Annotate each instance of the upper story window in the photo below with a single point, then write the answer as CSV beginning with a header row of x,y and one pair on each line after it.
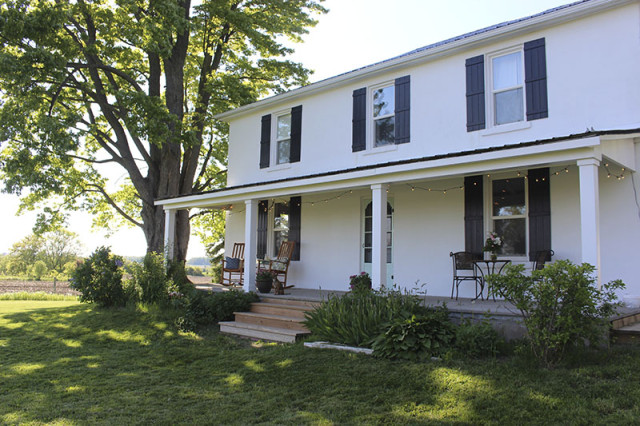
x,y
387,115
517,86
285,129
283,138
383,109
508,88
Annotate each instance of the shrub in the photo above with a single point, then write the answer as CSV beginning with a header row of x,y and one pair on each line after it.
x,y
357,318
360,282
208,308
477,339
560,304
150,279
416,338
99,279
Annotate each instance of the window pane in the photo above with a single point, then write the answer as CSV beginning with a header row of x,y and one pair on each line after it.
x,y
513,233
509,106
284,149
507,71
388,255
384,131
367,255
384,101
389,239
367,224
368,239
508,197
278,238
284,127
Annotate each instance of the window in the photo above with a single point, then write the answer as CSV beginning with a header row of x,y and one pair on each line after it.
x,y
515,79
283,138
368,233
285,130
507,88
509,214
383,109
280,226
382,115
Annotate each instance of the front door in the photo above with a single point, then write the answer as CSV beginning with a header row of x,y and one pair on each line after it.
x,y
367,239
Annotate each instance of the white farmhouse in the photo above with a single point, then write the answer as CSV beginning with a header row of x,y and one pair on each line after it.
x,y
529,128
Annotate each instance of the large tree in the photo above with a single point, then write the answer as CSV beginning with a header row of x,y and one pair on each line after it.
x,y
86,85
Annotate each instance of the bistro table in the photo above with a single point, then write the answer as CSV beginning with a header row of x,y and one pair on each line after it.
x,y
490,266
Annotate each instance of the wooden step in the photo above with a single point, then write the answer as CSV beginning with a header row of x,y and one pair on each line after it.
x,y
279,321
279,309
625,320
626,334
293,302
261,332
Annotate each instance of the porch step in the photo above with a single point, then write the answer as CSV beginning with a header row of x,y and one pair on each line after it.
x,y
626,328
277,319
279,300
295,311
256,331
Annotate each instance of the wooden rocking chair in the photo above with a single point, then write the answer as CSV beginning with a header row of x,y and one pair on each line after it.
x,y
280,265
233,266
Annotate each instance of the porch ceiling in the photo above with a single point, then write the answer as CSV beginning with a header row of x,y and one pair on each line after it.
x,y
524,155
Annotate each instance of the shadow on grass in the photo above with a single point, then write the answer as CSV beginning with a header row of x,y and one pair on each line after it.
x,y
83,364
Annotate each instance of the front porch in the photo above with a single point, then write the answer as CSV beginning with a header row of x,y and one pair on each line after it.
x,y
399,221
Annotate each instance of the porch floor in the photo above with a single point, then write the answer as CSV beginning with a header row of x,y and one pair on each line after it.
x,y
463,305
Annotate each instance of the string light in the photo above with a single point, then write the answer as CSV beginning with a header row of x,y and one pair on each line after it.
x,y
274,201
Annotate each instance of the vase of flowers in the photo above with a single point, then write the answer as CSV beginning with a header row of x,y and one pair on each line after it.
x,y
493,244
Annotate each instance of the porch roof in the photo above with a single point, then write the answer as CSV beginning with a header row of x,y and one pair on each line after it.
x,y
555,150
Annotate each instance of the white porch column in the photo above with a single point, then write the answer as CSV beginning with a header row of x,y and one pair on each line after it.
x,y
169,233
379,235
250,244
590,212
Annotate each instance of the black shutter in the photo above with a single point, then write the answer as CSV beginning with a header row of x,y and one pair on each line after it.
x,y
539,211
263,224
475,93
403,101
265,141
535,78
359,137
295,210
296,133
473,215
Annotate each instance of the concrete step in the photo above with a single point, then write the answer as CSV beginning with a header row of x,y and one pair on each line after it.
x,y
279,321
261,332
279,309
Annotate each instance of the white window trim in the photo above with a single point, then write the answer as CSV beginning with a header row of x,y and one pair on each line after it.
x,y
489,100
371,121
273,154
488,210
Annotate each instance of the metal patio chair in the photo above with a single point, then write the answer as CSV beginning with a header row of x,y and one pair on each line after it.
x,y
465,270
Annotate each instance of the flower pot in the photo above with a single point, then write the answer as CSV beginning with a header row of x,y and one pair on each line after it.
x,y
264,286
494,256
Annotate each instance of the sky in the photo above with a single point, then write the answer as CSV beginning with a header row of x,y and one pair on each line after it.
x,y
353,34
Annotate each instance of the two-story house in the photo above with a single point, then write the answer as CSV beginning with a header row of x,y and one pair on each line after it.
x,y
529,128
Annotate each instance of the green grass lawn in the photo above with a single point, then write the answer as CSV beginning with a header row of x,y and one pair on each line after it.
x,y
63,362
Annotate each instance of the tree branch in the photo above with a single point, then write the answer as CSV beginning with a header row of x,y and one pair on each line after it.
x,y
98,189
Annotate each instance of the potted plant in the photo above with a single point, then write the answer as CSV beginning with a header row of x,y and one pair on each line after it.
x,y
264,280
493,244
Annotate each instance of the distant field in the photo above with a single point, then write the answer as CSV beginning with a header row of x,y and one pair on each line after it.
x,y
17,286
